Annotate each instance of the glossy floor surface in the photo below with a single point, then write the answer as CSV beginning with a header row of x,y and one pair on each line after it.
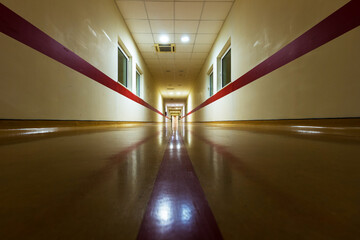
x,y
248,182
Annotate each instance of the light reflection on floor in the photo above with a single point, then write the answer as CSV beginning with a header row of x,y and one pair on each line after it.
x,y
98,184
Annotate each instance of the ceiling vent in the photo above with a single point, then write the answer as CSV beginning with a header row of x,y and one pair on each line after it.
x,y
165,48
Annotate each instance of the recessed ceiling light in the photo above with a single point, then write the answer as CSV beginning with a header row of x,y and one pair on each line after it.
x,y
164,39
171,93
178,93
185,39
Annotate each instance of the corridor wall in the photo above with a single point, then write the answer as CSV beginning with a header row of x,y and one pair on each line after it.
x,y
324,83
35,86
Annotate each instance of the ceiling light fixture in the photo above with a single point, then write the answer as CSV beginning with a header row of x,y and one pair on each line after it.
x,y
185,39
164,39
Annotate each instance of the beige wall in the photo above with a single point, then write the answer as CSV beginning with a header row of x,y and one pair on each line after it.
x,y
33,86
324,83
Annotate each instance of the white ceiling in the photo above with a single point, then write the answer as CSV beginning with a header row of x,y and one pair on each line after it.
x,y
200,20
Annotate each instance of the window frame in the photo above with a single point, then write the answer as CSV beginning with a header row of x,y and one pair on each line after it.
x,y
211,83
126,68
138,87
221,68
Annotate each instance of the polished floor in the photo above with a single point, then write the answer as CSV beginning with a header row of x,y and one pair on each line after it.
x,y
196,181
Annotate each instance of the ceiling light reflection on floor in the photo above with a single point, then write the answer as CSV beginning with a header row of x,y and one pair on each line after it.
x,y
186,213
163,211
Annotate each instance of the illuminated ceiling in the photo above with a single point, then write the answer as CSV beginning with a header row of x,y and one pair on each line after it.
x,y
153,22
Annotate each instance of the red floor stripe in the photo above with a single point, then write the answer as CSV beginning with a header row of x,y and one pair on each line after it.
x,y
343,20
178,208
18,28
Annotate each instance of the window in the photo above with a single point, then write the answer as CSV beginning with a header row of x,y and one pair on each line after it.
x,y
123,60
223,66
211,82
138,83
226,68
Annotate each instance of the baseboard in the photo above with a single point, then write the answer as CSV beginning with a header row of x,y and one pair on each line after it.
x,y
351,121
34,123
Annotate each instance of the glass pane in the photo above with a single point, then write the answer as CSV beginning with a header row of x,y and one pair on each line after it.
x,y
226,69
122,68
137,84
211,84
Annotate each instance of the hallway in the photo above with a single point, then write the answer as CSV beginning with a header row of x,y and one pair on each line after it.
x,y
293,182
179,119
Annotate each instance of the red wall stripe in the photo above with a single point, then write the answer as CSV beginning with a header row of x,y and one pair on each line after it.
x,y
18,28
343,20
